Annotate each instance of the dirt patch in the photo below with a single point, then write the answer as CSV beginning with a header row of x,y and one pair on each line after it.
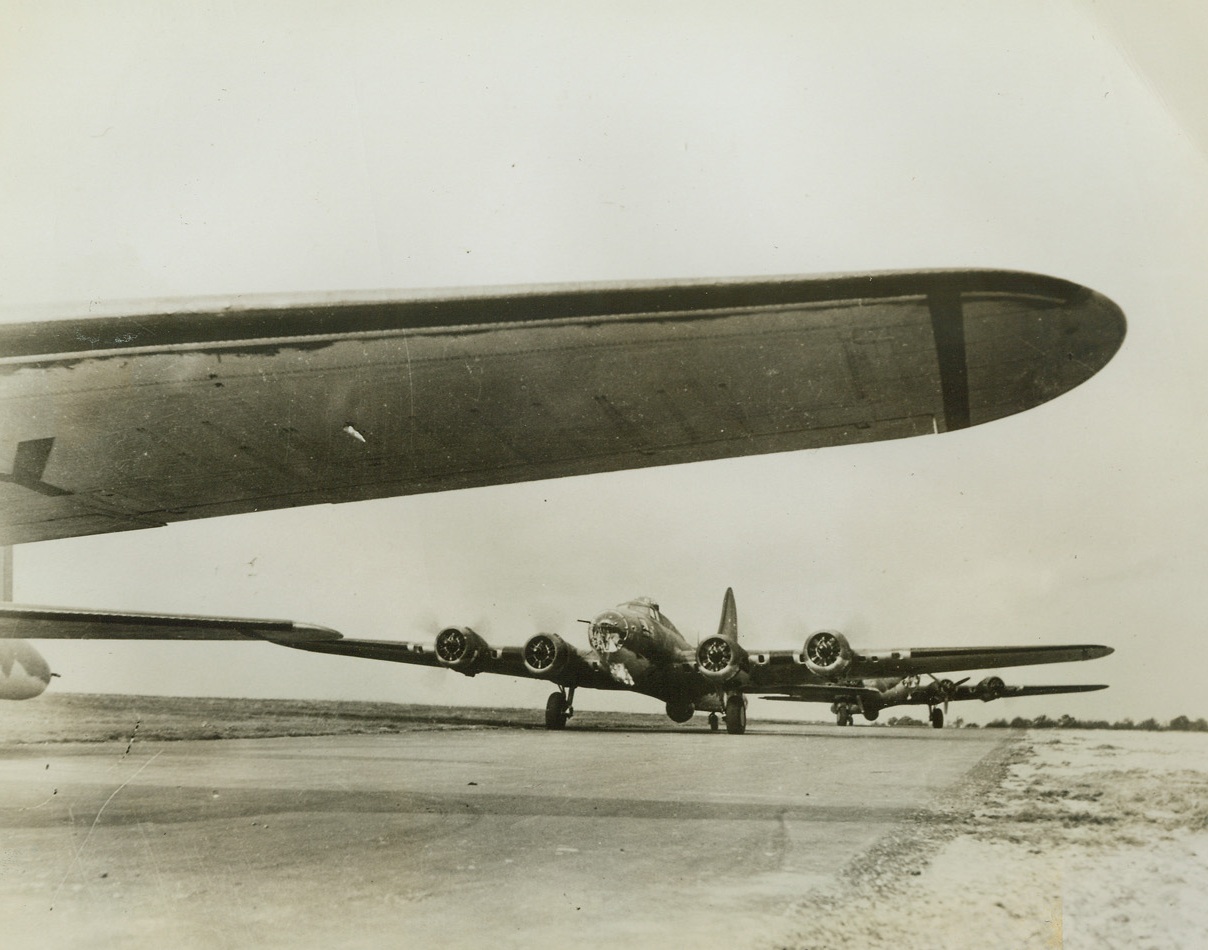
x,y
1061,839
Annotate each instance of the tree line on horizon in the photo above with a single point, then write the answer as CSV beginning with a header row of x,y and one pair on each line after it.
x,y
1177,724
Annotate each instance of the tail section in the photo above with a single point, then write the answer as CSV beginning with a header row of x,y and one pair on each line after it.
x,y
720,658
728,627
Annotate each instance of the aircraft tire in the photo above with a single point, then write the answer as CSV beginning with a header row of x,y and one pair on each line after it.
x,y
937,719
736,716
555,711
714,723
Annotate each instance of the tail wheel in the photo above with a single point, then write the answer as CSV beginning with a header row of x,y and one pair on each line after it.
x,y
937,719
714,723
557,711
844,717
736,715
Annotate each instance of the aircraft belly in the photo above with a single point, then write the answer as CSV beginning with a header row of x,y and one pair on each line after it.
x,y
134,437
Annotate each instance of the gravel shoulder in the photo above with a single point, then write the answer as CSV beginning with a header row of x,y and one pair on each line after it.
x,y
1059,839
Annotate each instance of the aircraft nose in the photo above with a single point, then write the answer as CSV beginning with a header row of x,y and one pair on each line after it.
x,y
608,632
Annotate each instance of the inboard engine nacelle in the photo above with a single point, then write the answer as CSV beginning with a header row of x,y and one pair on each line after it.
x,y
720,658
547,654
461,649
827,653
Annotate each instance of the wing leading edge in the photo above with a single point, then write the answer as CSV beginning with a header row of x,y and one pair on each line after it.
x,y
214,408
64,623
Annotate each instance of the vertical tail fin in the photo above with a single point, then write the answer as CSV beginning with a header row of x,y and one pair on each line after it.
x,y
728,627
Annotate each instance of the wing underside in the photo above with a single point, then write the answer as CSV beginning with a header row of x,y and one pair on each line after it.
x,y
193,411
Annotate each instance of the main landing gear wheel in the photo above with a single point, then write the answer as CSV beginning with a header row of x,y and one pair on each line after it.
x,y
714,723
843,717
937,719
736,715
557,710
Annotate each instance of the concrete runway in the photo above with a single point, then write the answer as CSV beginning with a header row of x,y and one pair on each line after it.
x,y
462,837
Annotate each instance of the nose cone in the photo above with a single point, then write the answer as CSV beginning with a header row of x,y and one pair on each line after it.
x,y
608,632
24,674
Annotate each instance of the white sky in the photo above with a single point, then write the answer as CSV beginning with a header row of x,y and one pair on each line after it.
x,y
154,149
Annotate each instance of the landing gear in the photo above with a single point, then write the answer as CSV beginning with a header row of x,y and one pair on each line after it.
x,y
714,722
937,718
558,708
736,714
843,716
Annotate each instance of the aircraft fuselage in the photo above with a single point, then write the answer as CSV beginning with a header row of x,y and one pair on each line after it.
x,y
642,650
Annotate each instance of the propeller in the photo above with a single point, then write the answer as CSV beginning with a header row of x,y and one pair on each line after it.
x,y
947,688
824,648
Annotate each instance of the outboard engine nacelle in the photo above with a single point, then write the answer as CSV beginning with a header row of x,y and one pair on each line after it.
x,y
721,659
546,654
990,688
461,649
827,653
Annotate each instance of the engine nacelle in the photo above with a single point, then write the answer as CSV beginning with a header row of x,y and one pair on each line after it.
x,y
547,654
827,653
990,688
461,649
24,674
721,659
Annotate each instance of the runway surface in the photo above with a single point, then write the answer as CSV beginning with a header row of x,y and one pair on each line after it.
x,y
459,837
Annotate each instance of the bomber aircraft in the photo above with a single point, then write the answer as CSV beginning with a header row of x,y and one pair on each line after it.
x,y
870,696
633,646
136,417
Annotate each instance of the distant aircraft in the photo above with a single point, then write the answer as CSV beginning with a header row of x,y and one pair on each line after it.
x,y
633,646
170,412
869,697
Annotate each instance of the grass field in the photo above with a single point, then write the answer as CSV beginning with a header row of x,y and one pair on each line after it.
x,y
88,717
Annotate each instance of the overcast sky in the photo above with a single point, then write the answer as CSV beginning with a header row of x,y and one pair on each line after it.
x,y
153,150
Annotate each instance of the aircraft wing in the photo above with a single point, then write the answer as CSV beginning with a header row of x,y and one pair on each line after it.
x,y
178,411
985,693
781,670
64,623
956,659
827,693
